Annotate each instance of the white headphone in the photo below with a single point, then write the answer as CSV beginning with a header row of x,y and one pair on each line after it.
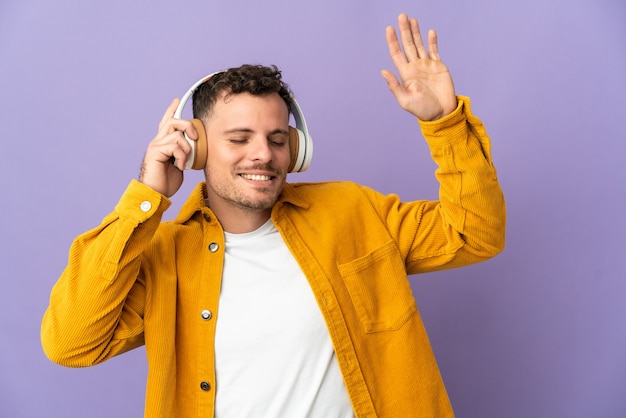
x,y
300,143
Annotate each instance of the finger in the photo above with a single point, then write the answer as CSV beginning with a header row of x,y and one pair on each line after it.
x,y
166,144
395,52
169,113
396,88
179,158
407,37
417,38
181,152
390,78
182,143
433,48
173,147
169,125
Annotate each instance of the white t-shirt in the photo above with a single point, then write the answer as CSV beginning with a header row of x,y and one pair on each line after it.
x,y
273,353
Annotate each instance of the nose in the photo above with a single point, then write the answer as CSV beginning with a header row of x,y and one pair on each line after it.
x,y
260,150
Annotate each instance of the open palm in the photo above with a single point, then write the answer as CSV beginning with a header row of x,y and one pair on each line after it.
x,y
426,89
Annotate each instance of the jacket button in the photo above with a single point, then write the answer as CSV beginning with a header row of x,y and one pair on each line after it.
x,y
145,206
207,217
206,314
205,386
213,247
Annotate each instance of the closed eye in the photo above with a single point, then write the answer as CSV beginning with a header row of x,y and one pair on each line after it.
x,y
278,137
238,140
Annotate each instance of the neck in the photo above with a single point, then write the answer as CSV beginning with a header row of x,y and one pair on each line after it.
x,y
239,220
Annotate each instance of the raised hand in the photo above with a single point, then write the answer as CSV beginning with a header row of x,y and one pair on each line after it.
x,y
157,170
425,88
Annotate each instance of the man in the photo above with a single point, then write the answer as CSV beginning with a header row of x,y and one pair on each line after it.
x,y
269,299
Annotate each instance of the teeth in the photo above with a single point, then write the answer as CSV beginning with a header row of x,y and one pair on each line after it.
x,y
255,177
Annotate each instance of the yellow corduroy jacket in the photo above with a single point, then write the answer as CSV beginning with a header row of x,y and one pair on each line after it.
x,y
136,280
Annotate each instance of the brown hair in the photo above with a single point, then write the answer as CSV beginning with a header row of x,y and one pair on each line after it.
x,y
257,80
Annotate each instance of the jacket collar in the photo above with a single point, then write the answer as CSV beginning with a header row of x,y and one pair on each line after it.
x,y
196,201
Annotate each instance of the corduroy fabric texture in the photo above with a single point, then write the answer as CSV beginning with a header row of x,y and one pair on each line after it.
x,y
135,280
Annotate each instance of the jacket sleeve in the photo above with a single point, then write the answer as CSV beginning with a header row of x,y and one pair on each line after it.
x,y
97,305
467,224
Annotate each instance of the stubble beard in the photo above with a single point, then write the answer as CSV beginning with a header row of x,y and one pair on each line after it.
x,y
265,198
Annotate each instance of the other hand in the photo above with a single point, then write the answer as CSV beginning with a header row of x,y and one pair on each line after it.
x,y
425,88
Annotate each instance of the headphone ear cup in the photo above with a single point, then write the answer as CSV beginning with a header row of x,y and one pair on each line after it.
x,y
300,150
294,147
199,147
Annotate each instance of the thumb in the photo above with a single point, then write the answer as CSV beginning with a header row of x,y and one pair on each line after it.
x,y
395,86
390,78
398,90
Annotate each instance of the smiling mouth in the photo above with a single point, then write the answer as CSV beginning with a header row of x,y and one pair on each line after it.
x,y
256,177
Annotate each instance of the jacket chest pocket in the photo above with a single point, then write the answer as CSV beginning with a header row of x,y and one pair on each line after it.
x,y
379,289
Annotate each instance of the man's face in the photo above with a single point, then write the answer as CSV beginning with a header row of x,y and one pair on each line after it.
x,y
248,151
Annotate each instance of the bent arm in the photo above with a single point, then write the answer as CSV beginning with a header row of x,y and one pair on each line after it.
x,y
467,224
97,305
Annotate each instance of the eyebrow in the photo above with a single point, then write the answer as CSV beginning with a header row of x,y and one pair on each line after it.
x,y
248,131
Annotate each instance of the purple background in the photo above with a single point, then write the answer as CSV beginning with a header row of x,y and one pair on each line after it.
x,y
537,332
